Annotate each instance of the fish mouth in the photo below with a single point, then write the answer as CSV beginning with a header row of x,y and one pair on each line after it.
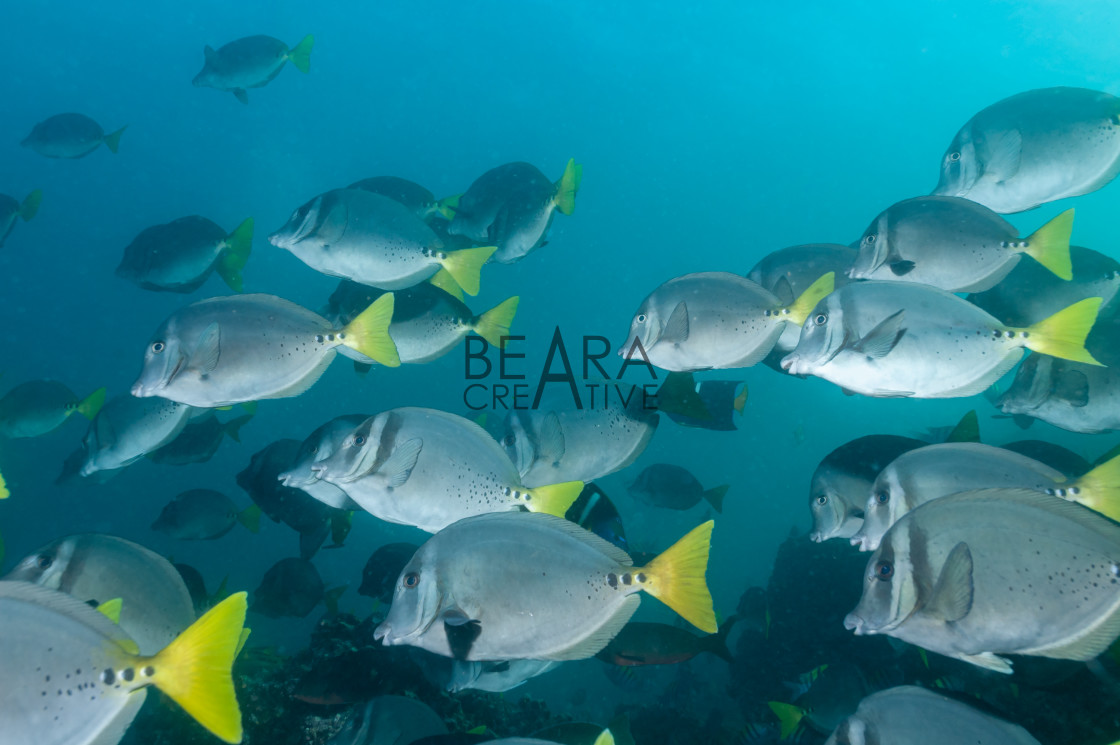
x,y
854,623
139,390
791,363
816,536
296,480
864,542
276,239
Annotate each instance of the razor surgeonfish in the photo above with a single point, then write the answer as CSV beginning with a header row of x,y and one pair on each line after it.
x,y
900,339
1070,395
956,244
95,568
180,255
997,571
39,407
231,350
376,241
251,62
199,440
55,646
318,446
291,587
128,428
675,488
379,576
427,468
1034,147
70,136
203,515
643,643
11,210
422,202
517,585
714,320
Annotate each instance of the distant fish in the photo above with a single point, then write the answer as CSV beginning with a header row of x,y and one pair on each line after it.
x,y
204,514
38,407
1034,147
251,62
642,643
675,488
12,209
409,193
1070,395
199,440
379,576
389,720
180,255
594,511
719,401
70,136
290,587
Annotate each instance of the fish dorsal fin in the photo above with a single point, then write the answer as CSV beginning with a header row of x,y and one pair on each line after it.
x,y
241,95
210,54
675,329
1022,421
1005,151
398,467
550,440
967,429
879,341
1072,387
951,599
208,350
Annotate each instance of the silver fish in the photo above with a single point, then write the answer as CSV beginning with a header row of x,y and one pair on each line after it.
x,y
997,571
1075,397
94,567
374,240
956,244
251,62
714,320
428,468
128,428
37,407
1034,147
318,446
909,715
515,585
180,255
231,350
70,136
11,210
901,339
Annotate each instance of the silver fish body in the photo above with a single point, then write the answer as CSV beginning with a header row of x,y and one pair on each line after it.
x,y
128,428
318,446
1070,395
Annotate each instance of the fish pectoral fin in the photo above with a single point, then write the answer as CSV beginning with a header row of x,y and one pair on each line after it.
x,y
1006,151
241,95
902,267
1072,387
952,595
550,443
208,350
784,290
879,341
399,467
461,632
988,661
1022,421
675,329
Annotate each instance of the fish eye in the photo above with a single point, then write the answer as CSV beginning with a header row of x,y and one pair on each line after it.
x,y
954,157
882,497
411,580
869,239
44,561
820,319
314,451
508,440
158,346
884,570
641,318
359,440
822,499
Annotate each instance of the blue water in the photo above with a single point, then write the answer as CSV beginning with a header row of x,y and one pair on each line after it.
x,y
710,136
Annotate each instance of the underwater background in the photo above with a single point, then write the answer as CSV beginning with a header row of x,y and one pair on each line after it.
x,y
710,134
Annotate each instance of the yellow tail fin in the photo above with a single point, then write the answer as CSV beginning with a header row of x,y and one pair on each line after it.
x,y
789,717
1049,245
605,738
465,266
111,609
30,205
4,493
300,54
494,323
676,578
238,245
369,332
567,186
194,670
448,206
91,404
1099,489
113,139
1063,334
554,499
803,306
250,517
444,281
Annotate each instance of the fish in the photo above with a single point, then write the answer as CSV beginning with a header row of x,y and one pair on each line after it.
x,y
714,320
389,720
428,322
909,715
320,445
70,136
574,591
495,677
1034,147
893,339
675,488
422,202
291,587
196,587
310,518
935,471
1061,459
12,209
251,62
643,643
55,646
180,256
199,440
717,402
94,567
832,694
841,482
376,241
230,350
379,576
128,428
39,407
1070,395
957,245
204,514
594,511
427,468
997,571
1031,292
